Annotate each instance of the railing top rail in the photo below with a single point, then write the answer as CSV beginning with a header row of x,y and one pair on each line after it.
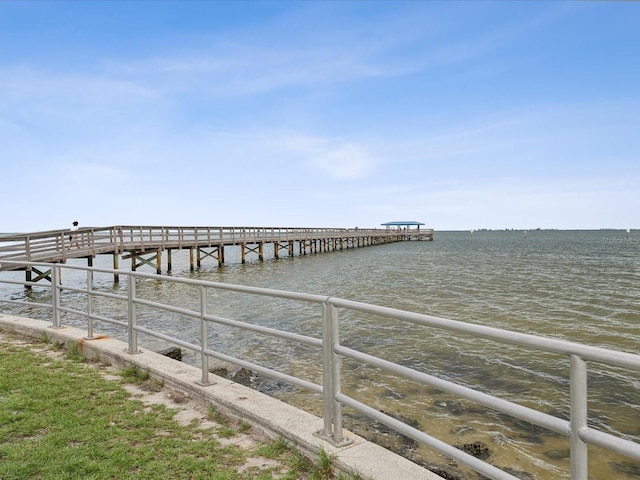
x,y
548,344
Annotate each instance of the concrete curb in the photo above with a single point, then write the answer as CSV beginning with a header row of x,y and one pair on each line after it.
x,y
267,415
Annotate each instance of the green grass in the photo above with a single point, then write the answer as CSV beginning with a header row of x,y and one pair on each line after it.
x,y
302,467
59,419
133,374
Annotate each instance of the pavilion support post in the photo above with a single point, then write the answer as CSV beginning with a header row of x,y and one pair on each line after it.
x,y
243,253
191,265
291,248
159,264
261,251
276,248
199,258
169,260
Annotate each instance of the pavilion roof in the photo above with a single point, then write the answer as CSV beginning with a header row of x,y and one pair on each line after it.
x,y
403,223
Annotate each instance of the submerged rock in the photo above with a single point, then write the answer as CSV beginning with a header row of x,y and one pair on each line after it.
x,y
253,380
477,449
630,469
220,371
172,352
558,454
520,474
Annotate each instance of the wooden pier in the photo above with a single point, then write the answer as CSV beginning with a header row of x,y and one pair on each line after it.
x,y
147,245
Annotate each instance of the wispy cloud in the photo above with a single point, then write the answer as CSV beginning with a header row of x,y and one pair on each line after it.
x,y
333,158
74,89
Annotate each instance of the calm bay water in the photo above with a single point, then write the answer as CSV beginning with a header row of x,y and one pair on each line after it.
x,y
582,286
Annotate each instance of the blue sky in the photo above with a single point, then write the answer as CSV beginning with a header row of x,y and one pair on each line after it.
x,y
458,114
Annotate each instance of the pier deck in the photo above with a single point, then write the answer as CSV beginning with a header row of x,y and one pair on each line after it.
x,y
134,242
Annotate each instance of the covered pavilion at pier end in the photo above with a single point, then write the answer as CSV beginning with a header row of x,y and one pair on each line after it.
x,y
410,228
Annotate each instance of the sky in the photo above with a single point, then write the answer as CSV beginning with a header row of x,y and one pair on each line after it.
x,y
461,115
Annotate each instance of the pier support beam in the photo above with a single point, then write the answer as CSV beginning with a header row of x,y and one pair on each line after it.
x,y
116,266
137,260
288,246
259,249
40,275
216,252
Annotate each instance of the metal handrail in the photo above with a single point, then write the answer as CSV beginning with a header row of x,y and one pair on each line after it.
x,y
577,429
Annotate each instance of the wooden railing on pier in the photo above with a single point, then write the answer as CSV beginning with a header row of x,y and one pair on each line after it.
x,y
56,246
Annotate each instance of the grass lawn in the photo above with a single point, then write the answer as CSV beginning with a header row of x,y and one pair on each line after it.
x,y
60,418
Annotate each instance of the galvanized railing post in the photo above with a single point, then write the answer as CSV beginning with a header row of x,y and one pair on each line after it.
x,y
579,415
204,337
55,292
89,305
328,395
336,377
131,314
331,377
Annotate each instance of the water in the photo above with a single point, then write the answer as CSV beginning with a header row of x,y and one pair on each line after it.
x,y
582,286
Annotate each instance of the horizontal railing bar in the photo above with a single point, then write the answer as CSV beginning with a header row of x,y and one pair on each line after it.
x,y
114,296
168,308
305,297
111,321
80,313
611,442
24,283
96,293
169,339
68,288
587,352
524,413
30,304
438,445
234,323
84,314
242,363
314,342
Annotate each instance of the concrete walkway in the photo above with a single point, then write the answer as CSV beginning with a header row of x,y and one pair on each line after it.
x,y
268,416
